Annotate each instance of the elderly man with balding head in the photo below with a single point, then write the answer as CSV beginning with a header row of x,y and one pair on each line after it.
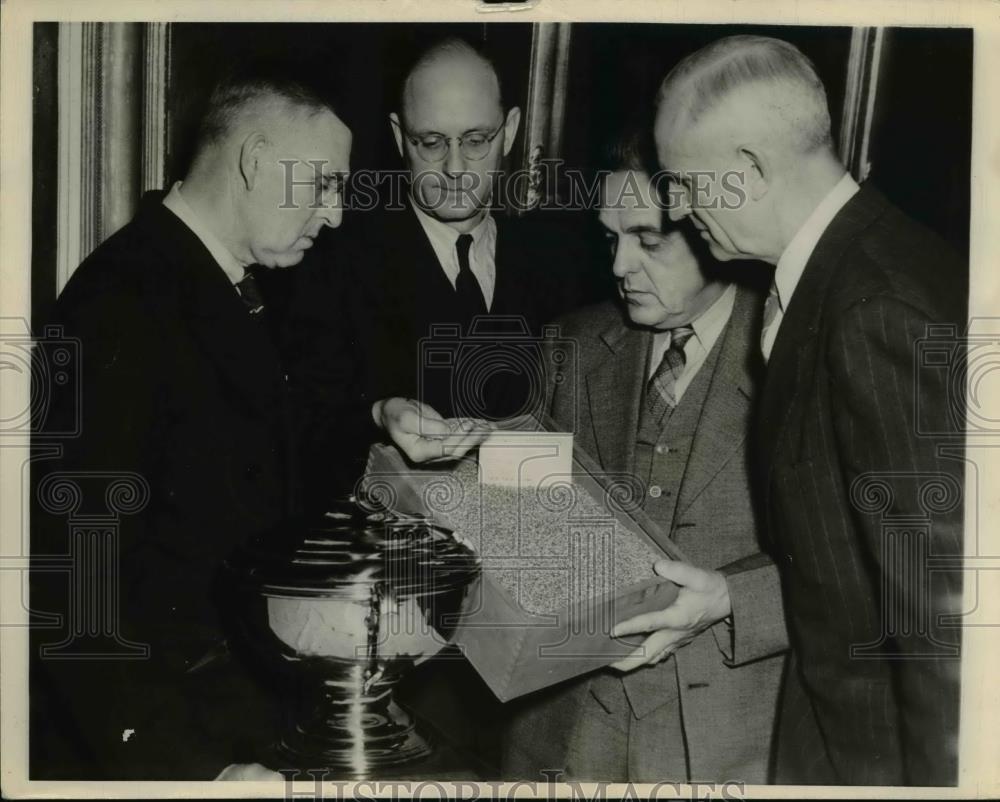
x,y
872,692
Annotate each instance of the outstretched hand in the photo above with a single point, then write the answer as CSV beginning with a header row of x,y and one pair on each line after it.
x,y
703,600
423,435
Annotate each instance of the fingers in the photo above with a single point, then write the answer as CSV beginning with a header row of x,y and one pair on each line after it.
x,y
672,617
681,573
248,771
655,649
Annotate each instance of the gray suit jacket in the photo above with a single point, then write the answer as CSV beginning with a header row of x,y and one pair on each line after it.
x,y
727,681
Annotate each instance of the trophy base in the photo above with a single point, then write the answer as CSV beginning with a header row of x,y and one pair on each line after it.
x,y
355,744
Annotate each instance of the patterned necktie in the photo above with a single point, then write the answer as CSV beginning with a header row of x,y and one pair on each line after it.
x,y
772,317
661,388
250,293
470,295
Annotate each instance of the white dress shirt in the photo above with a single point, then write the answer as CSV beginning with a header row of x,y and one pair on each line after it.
x,y
482,254
707,329
795,256
233,267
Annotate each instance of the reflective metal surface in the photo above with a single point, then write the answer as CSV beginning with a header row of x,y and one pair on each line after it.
x,y
342,607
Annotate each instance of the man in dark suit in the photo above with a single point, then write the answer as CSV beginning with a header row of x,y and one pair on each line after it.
x,y
872,693
423,266
183,404
662,389
444,295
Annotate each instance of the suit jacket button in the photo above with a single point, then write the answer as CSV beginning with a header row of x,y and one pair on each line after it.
x,y
661,449
655,491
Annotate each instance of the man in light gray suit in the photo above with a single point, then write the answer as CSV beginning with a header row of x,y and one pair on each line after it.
x,y
662,389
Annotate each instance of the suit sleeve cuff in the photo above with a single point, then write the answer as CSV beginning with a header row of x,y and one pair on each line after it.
x,y
756,626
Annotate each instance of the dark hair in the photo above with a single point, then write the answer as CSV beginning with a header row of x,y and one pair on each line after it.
x,y
246,85
440,47
631,149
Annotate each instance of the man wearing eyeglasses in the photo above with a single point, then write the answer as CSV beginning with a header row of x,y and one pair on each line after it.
x,y
446,293
427,265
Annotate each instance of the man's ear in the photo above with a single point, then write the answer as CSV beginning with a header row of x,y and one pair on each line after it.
x,y
250,153
757,169
510,128
397,132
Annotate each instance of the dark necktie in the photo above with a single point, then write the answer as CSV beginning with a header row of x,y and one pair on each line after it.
x,y
470,294
250,293
661,389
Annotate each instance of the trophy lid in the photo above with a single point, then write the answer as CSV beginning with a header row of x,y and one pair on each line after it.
x,y
347,550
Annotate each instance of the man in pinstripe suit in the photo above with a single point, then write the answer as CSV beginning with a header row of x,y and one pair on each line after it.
x,y
872,691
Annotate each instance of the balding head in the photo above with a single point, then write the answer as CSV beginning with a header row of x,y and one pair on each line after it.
x,y
450,72
452,131
753,81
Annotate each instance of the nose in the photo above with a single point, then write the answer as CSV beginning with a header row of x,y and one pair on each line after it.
x,y
331,213
623,263
454,161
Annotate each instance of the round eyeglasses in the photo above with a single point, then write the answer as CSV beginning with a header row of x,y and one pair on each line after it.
x,y
474,145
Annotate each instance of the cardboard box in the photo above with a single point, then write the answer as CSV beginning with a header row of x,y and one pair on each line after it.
x,y
514,650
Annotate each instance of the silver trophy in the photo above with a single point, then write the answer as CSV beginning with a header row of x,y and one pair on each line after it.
x,y
341,608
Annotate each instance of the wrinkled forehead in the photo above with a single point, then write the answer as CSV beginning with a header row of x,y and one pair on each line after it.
x,y
686,143
628,199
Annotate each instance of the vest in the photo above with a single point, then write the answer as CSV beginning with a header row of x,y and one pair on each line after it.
x,y
661,458
662,451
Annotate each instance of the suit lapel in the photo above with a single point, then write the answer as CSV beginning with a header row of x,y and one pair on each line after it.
x,y
722,426
787,368
239,346
614,388
414,258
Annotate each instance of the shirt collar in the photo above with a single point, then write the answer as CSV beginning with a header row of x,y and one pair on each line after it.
x,y
438,231
233,267
710,323
796,255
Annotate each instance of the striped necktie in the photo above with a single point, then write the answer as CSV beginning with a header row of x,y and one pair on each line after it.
x,y
661,388
772,319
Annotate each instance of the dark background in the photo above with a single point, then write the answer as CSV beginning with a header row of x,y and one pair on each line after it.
x,y
921,136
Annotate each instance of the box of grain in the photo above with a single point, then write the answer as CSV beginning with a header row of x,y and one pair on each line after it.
x,y
565,556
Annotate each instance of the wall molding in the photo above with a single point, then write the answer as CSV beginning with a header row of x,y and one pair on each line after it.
x,y
863,66
113,80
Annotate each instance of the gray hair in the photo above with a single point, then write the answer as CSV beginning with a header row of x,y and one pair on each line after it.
x,y
794,92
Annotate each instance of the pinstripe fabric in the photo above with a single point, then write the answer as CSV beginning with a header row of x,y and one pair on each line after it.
x,y
863,702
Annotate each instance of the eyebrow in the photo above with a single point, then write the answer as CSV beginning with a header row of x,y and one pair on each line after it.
x,y
477,129
643,230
